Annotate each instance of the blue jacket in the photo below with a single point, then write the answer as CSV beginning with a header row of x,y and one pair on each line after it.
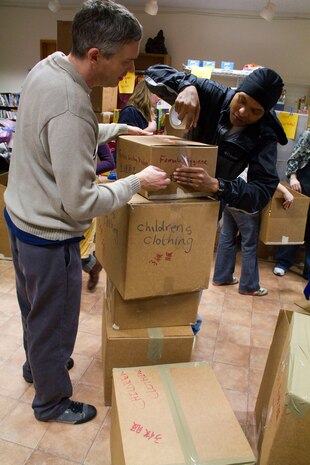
x,y
255,146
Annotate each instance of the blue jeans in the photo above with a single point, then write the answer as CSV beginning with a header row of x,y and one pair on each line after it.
x,y
248,226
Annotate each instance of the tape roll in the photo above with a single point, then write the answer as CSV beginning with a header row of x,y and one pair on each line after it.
x,y
175,122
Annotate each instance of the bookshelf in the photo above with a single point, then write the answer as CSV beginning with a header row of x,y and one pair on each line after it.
x,y
9,104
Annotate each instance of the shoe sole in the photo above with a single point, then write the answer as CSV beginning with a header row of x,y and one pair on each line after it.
x,y
235,281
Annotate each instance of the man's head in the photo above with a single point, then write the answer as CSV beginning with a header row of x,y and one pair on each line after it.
x,y
108,35
256,95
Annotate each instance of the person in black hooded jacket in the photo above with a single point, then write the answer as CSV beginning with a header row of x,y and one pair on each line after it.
x,y
240,122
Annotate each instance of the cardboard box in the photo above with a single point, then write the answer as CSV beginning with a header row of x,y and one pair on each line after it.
x,y
174,414
169,310
134,153
283,405
157,248
279,226
135,347
4,237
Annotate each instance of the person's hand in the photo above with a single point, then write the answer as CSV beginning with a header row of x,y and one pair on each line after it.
x,y
153,179
294,183
135,131
187,106
288,200
197,178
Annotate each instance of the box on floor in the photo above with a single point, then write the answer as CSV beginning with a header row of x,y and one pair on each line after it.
x,y
4,237
174,414
147,346
283,405
169,310
151,248
279,226
134,153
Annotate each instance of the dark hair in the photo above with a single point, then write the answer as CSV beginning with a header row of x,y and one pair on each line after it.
x,y
105,25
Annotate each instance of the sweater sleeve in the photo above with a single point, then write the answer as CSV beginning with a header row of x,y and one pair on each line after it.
x,y
74,171
105,156
110,131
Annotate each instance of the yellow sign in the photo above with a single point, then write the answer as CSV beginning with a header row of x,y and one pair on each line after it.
x,y
202,72
127,84
289,122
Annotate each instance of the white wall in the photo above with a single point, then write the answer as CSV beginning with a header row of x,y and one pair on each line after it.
x,y
281,44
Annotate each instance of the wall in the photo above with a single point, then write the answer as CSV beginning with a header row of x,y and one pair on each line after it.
x,y
281,44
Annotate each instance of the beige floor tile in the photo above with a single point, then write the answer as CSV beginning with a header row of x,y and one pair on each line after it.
x,y
234,333
39,457
13,454
21,427
87,344
231,377
231,353
93,375
99,453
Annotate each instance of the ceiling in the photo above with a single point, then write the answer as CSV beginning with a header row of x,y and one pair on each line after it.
x,y
290,8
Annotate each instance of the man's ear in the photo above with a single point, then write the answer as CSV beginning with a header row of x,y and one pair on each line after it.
x,y
93,54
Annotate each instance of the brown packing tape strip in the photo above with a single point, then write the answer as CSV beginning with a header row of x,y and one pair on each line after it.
x,y
155,345
183,432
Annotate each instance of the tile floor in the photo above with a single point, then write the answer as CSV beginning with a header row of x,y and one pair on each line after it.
x,y
235,337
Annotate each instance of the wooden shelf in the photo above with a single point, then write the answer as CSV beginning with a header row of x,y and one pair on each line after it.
x,y
145,60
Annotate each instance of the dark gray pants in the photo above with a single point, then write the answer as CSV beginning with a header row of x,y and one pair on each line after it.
x,y
48,285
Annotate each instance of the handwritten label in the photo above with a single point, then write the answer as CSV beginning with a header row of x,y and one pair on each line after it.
x,y
130,388
150,388
164,234
158,257
147,433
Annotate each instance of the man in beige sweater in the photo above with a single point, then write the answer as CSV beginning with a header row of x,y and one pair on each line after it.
x,y
52,195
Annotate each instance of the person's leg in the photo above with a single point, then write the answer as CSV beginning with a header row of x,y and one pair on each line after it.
x,y
249,228
90,264
48,281
284,257
226,250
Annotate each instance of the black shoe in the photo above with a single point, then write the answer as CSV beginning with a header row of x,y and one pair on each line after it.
x,y
75,414
28,376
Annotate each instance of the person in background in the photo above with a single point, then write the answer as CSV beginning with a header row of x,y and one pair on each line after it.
x,y
90,263
140,109
298,172
240,122
52,195
236,222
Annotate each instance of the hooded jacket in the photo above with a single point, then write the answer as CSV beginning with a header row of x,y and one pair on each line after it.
x,y
255,146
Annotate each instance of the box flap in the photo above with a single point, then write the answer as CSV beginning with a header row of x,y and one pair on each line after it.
x,y
163,140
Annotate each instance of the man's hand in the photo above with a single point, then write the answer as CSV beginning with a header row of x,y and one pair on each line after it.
x,y
153,179
187,106
197,178
135,131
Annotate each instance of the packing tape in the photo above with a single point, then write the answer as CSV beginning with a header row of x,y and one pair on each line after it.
x,y
156,344
186,441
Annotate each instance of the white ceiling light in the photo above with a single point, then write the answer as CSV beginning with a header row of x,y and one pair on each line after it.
x,y
54,5
151,7
268,11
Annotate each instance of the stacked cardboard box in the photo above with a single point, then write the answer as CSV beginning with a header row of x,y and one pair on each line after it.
x,y
157,254
283,405
174,414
